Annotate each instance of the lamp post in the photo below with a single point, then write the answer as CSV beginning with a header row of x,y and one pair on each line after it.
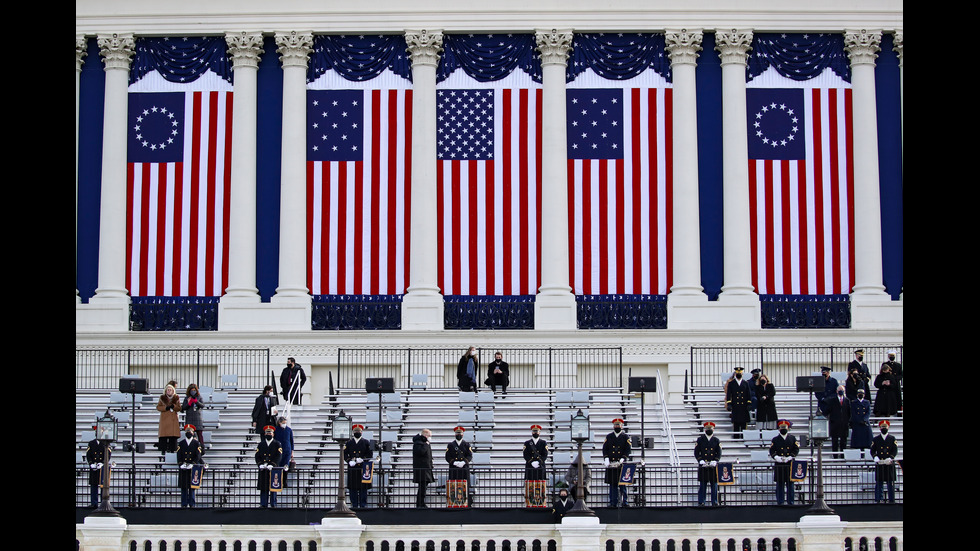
x,y
819,431
340,431
106,431
580,433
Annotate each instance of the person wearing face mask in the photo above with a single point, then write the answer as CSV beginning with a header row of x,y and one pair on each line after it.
x,y
562,505
854,382
291,381
738,401
422,465
707,451
284,435
263,412
782,450
191,406
884,448
466,370
829,389
894,366
357,450
267,455
169,430
838,409
535,453
862,368
888,399
498,373
616,450
459,455
860,422
189,452
765,416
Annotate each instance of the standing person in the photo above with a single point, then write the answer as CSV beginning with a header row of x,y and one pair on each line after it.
x,y
839,415
753,384
887,400
267,456
830,387
766,415
459,455
535,453
466,370
854,382
738,401
616,449
169,430
284,435
189,452
422,465
97,455
571,477
498,373
357,450
896,367
783,449
291,381
707,450
861,367
191,406
860,422
264,410
884,448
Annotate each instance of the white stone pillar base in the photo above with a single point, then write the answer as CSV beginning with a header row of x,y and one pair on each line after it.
x,y
102,533
876,312
284,313
580,533
821,533
340,534
741,310
555,312
423,311
102,315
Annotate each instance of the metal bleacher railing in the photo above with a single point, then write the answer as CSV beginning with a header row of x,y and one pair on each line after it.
x,y
100,369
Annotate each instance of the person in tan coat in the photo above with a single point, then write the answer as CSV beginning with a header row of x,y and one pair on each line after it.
x,y
168,405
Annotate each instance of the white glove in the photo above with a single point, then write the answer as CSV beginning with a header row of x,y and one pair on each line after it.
x,y
352,463
459,463
99,465
91,466
702,463
714,463
877,460
615,464
535,464
605,461
359,460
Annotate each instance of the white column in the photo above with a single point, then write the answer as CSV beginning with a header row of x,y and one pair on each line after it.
x,y
737,291
80,53
108,309
554,306
898,47
422,305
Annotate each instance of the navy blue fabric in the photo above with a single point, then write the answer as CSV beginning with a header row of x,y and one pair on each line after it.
x,y
799,56
359,57
618,56
489,57
181,59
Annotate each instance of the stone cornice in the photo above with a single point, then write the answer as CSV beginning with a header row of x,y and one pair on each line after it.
x,y
424,46
117,50
862,46
294,48
733,46
245,48
555,46
683,46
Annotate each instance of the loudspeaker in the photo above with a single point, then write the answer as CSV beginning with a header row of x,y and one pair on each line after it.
x,y
133,385
381,385
643,384
815,383
648,442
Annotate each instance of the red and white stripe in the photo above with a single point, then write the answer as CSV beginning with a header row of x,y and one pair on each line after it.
x,y
488,211
620,211
358,211
178,213
802,212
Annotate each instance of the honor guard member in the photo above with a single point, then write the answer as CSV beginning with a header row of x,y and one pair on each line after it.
x,y
535,453
884,448
860,422
738,400
97,455
357,450
267,456
562,505
616,449
459,455
707,451
189,452
783,449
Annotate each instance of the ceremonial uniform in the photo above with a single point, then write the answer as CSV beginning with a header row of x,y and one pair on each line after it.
x,y
459,451
535,450
616,449
357,450
188,453
562,506
267,455
860,423
97,452
783,449
707,451
884,448
738,400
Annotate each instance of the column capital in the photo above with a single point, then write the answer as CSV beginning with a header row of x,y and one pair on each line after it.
x,y
117,50
424,46
683,45
898,44
294,48
733,46
80,51
555,46
245,48
862,46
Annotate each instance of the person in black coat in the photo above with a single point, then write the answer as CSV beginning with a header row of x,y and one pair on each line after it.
x,y
291,381
459,455
616,450
707,451
896,367
267,456
189,452
467,369
888,400
854,382
783,449
562,505
535,454
860,422
98,453
765,416
862,368
357,450
422,465
884,448
829,389
838,409
738,401
263,412
498,373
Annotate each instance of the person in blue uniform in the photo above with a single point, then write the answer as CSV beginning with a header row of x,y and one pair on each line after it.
x,y
98,453
189,452
884,448
616,450
707,451
783,449
829,389
738,401
267,456
535,454
860,422
357,450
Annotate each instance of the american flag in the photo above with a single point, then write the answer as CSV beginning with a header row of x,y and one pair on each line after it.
x,y
179,164
358,190
801,189
619,188
488,184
